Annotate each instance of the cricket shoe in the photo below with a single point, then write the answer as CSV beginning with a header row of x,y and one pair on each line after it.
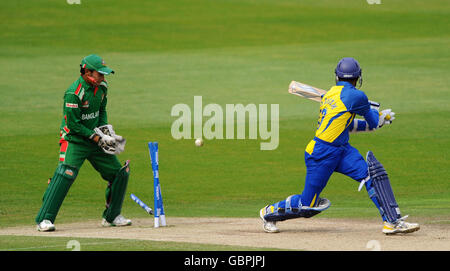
x,y
268,226
119,221
400,227
45,225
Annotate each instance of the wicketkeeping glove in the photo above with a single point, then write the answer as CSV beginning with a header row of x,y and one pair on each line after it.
x,y
386,117
106,142
119,145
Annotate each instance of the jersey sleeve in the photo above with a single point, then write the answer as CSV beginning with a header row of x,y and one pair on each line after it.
x,y
359,125
372,117
72,115
103,116
356,102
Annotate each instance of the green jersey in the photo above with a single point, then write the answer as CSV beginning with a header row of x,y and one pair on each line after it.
x,y
84,109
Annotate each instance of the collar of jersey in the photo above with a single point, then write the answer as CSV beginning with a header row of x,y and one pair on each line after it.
x,y
345,84
85,84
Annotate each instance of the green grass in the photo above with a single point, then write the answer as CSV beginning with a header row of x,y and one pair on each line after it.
x,y
34,243
247,51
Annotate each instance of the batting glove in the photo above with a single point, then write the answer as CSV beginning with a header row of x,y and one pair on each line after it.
x,y
386,117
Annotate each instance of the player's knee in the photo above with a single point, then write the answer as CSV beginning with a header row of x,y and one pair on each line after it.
x,y
121,175
66,172
118,173
124,172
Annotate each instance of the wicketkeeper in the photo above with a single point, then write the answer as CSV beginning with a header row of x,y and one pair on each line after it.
x,y
330,152
86,134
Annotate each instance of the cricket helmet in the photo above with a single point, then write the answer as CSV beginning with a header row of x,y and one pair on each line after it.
x,y
348,68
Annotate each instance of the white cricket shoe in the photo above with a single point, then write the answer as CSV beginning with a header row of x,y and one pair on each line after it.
x,y
45,225
400,227
268,226
119,221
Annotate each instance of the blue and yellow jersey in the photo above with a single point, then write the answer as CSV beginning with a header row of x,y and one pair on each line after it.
x,y
337,111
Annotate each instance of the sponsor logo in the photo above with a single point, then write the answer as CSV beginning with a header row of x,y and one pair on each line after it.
x,y
71,105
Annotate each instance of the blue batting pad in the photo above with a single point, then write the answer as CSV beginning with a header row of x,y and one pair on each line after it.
x,y
379,187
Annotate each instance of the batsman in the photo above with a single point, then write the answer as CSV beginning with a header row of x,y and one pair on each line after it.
x,y
86,135
329,151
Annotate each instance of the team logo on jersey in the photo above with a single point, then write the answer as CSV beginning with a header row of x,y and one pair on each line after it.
x,y
89,116
85,104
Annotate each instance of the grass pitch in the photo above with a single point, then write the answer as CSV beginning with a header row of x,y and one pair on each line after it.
x,y
228,52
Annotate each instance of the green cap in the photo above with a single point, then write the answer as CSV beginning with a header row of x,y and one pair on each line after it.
x,y
96,63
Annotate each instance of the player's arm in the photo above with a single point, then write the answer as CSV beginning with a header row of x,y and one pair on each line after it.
x,y
102,115
362,125
104,128
359,125
360,105
72,113
373,119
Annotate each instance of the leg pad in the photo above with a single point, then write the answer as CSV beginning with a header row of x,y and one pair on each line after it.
x,y
380,190
115,193
56,191
292,208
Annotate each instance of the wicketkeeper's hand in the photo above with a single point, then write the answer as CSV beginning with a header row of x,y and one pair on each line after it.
x,y
386,117
119,145
106,142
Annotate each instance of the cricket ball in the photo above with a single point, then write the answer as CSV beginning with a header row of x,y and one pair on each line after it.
x,y
199,142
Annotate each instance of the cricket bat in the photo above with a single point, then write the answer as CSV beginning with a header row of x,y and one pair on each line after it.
x,y
315,94
306,91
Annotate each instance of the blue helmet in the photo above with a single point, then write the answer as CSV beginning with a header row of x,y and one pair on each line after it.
x,y
348,68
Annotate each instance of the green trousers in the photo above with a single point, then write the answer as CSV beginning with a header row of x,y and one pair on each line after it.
x,y
72,157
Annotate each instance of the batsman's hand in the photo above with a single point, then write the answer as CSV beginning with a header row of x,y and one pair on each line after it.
x,y
386,117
